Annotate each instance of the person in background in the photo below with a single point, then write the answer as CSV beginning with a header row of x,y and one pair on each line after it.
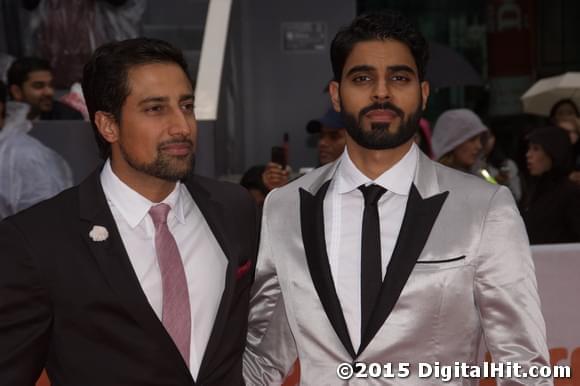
x,y
571,123
274,176
501,168
66,32
573,130
457,139
253,181
29,171
30,80
551,206
564,109
331,136
330,145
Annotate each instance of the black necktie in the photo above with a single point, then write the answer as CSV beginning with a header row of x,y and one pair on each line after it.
x,y
371,265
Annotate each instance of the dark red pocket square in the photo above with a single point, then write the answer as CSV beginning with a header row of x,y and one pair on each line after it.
x,y
243,269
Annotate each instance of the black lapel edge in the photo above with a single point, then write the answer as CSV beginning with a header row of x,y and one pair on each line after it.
x,y
419,218
312,226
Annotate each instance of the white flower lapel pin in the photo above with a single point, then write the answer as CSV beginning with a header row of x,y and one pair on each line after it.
x,y
99,233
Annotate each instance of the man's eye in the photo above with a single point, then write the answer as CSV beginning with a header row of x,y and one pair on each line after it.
x,y
400,78
154,109
188,107
361,78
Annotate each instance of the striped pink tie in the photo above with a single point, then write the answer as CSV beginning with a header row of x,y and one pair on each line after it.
x,y
176,315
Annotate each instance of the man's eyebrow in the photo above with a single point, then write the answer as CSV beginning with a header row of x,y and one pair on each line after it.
x,y
186,97
153,99
164,99
360,68
401,68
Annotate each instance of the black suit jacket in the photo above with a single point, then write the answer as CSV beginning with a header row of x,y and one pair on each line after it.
x,y
75,306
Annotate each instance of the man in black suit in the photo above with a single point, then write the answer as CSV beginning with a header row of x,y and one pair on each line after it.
x,y
134,277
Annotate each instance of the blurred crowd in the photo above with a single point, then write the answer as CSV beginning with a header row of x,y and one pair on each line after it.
x,y
44,85
547,190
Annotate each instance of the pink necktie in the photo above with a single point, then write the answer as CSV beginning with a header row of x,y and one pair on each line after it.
x,y
176,315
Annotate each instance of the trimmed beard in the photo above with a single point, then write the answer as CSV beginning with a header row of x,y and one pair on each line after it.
x,y
378,137
164,166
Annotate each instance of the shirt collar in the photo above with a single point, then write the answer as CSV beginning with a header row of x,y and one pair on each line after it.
x,y
397,179
132,205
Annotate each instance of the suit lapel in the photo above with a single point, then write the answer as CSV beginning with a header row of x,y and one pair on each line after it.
x,y
312,224
214,215
420,215
114,263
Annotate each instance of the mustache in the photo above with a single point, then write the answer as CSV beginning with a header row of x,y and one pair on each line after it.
x,y
176,141
382,106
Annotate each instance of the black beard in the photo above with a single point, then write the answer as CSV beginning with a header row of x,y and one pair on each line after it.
x,y
163,166
378,137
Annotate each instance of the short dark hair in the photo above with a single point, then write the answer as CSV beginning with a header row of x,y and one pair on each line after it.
x,y
105,76
381,25
252,179
3,98
21,67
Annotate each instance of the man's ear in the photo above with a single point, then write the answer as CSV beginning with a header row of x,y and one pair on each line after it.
x,y
333,90
425,89
16,93
107,126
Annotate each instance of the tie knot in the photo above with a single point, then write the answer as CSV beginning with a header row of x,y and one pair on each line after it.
x,y
159,213
372,193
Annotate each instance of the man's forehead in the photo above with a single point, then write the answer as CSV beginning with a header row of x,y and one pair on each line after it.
x,y
152,81
376,54
39,76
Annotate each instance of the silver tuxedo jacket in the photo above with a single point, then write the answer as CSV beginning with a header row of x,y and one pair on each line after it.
x,y
461,271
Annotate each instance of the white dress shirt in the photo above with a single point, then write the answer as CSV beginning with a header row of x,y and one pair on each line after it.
x,y
343,213
203,259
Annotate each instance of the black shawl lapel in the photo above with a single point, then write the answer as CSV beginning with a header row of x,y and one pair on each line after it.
x,y
214,214
312,224
114,262
420,215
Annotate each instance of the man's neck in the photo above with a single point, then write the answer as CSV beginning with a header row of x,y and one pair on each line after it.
x,y
373,163
153,188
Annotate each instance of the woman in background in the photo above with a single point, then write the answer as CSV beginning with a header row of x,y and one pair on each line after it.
x,y
457,139
503,169
565,115
551,208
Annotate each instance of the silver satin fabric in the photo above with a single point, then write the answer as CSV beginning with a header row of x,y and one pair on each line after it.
x,y
445,309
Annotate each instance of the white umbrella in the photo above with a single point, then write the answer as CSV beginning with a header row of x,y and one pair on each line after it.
x,y
546,92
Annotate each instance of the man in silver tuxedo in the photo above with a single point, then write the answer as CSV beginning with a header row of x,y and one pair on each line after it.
x,y
384,256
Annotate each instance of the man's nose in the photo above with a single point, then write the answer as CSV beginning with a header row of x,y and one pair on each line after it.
x,y
182,124
48,90
381,91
